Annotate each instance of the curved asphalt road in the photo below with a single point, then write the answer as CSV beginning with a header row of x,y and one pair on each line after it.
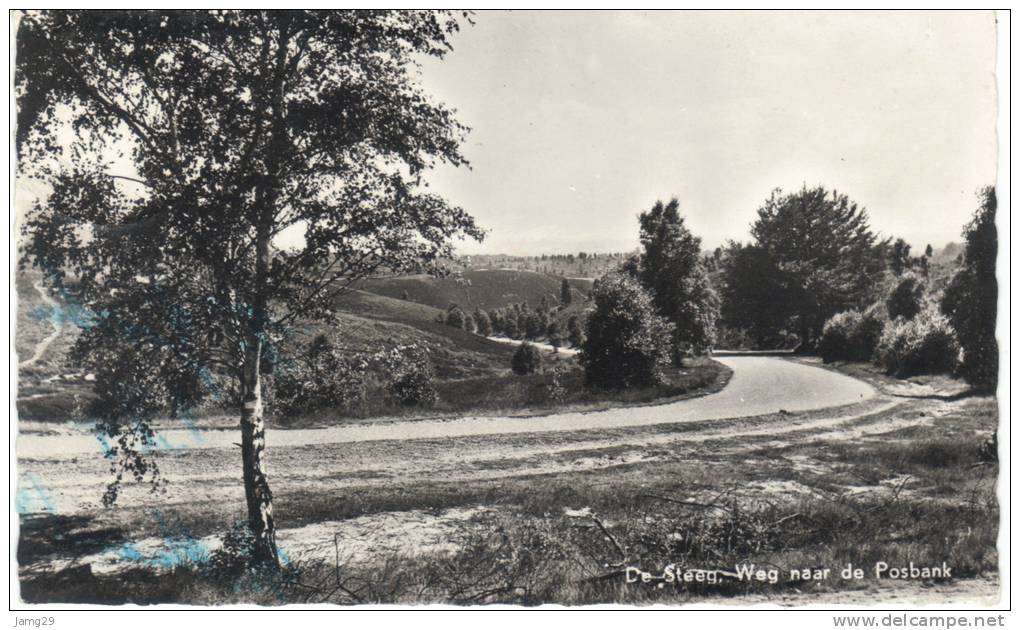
x,y
760,385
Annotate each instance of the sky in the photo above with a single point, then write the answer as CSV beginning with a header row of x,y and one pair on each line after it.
x,y
581,120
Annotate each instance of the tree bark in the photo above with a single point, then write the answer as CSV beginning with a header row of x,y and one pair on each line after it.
x,y
805,334
256,482
253,428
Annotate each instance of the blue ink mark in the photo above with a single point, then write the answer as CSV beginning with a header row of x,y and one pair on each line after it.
x,y
284,557
104,443
190,420
179,547
34,499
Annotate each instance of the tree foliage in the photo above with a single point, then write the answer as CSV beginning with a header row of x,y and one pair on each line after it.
x,y
819,253
198,138
412,377
527,359
483,324
321,374
670,267
623,339
970,300
575,331
755,294
906,297
899,257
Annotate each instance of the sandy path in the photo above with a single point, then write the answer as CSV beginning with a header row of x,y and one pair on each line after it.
x,y
56,322
74,483
544,346
760,385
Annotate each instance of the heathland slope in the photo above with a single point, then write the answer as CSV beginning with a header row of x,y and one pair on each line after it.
x,y
479,288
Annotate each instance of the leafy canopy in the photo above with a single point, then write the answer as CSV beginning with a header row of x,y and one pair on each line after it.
x,y
201,139
623,342
670,267
971,299
824,255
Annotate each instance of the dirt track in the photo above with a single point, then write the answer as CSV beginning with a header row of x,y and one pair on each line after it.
x,y
58,327
760,385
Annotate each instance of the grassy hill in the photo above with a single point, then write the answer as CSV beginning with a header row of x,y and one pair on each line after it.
x,y
473,373
49,385
47,382
369,321
481,288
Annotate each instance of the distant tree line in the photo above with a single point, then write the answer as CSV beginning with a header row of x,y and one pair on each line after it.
x,y
517,321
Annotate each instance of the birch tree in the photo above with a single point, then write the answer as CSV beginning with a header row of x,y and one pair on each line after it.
x,y
182,148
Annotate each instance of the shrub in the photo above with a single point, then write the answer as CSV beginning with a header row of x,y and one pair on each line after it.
x,y
575,331
496,320
510,328
234,556
923,345
555,387
554,334
627,344
527,359
906,298
469,324
455,318
851,335
321,375
413,383
483,323
535,324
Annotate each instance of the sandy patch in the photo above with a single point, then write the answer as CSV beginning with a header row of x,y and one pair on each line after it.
x,y
359,541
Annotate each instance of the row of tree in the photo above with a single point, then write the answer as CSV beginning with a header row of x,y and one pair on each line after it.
x,y
517,321
916,328
814,272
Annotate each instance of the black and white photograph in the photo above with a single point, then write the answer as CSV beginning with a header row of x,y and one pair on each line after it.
x,y
488,309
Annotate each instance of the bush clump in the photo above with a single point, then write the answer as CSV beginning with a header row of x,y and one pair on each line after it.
x,y
413,383
627,344
925,344
322,375
455,318
527,359
851,335
907,298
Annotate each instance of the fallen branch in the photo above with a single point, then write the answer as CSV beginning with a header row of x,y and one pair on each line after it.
x,y
786,518
603,577
704,506
612,539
